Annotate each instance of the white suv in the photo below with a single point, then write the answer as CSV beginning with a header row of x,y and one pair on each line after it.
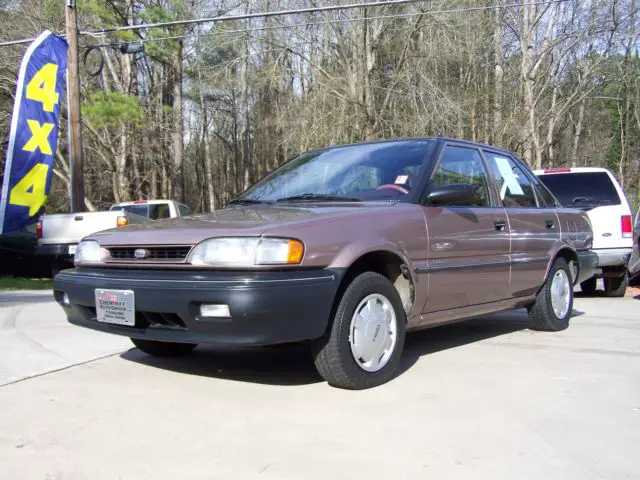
x,y
596,191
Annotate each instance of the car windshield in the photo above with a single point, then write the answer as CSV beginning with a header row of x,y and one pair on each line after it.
x,y
582,189
375,171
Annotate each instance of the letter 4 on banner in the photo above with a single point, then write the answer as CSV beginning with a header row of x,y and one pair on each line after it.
x,y
33,137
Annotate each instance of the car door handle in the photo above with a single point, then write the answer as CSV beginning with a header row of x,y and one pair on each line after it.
x,y
500,224
549,224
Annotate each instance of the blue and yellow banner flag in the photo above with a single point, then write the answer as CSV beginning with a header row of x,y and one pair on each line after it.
x,y
33,137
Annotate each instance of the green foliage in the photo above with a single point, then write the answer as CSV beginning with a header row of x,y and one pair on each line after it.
x,y
105,109
127,36
18,283
53,8
98,8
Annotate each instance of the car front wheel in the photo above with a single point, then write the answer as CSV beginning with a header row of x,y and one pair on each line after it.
x,y
552,308
364,344
163,349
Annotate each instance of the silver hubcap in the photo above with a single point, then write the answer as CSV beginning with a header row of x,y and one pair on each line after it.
x,y
560,294
373,332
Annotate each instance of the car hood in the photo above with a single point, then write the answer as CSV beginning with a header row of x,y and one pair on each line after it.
x,y
237,220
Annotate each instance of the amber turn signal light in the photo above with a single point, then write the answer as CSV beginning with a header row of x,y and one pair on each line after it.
x,y
122,221
296,251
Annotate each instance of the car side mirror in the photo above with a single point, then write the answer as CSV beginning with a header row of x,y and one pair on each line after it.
x,y
460,194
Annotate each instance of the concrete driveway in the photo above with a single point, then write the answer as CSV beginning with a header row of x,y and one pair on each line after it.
x,y
485,399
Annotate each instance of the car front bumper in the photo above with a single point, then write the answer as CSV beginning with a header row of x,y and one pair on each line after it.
x,y
266,307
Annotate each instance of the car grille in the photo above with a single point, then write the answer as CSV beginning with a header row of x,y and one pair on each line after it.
x,y
145,319
163,253
148,319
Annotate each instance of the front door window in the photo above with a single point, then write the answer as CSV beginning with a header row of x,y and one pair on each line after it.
x,y
461,165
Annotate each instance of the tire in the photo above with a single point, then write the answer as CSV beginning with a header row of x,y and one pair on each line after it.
x,y
616,286
163,349
335,353
542,311
588,287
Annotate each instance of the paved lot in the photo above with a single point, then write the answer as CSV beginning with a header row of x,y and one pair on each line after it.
x,y
485,399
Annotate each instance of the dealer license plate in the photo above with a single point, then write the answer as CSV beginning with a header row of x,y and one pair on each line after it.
x,y
116,306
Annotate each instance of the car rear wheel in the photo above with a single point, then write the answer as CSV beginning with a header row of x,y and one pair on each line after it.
x,y
616,286
552,308
163,349
588,287
364,344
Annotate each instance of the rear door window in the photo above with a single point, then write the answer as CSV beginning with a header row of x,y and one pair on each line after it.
x,y
514,186
581,189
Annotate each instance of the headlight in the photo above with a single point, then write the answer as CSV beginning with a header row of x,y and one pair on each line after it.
x,y
247,251
88,251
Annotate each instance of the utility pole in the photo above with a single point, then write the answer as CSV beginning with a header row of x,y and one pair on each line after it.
x,y
75,121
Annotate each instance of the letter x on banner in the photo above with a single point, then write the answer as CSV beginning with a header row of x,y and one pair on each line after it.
x,y
33,137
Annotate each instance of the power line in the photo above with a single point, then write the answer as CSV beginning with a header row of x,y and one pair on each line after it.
x,y
324,22
97,33
17,42
229,18
259,29
248,16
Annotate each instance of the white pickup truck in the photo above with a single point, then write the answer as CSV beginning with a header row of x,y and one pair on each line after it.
x,y
59,234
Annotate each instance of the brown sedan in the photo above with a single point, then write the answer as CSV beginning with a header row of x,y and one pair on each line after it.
x,y
346,248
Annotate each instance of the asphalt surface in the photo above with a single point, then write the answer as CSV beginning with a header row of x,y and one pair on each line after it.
x,y
486,399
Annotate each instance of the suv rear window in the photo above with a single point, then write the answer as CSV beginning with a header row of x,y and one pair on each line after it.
x,y
582,189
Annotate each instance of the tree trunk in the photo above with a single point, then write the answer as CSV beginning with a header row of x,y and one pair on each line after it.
x,y
178,136
576,135
154,182
623,144
474,122
532,154
498,74
208,166
486,108
245,131
369,64
553,118
166,183
121,166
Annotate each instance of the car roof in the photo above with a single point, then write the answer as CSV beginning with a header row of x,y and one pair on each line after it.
x,y
417,139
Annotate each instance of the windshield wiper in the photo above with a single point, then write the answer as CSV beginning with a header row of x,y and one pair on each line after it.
x,y
585,200
245,201
319,196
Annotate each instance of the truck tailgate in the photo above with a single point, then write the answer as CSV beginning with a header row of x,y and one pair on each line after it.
x,y
71,228
607,228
